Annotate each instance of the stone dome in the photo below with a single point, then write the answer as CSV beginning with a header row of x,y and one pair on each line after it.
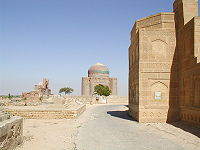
x,y
98,70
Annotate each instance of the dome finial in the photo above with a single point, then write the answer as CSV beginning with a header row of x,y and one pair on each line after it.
x,y
99,64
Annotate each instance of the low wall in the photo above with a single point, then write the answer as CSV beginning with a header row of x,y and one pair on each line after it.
x,y
11,133
81,99
57,99
39,113
92,99
118,100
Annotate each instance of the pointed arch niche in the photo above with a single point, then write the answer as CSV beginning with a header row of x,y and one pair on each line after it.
x,y
159,91
159,48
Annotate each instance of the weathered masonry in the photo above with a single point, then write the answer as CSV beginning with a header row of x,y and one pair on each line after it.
x,y
164,66
11,128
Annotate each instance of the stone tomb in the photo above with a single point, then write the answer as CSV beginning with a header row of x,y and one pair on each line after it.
x,y
52,108
98,74
10,131
164,66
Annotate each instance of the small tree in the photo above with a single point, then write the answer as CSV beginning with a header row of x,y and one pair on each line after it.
x,y
66,90
62,90
9,96
69,90
102,90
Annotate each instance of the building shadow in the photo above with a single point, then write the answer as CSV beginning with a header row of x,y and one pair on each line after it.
x,y
174,105
121,114
186,127
176,98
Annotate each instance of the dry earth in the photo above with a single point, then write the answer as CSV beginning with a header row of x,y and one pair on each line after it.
x,y
48,134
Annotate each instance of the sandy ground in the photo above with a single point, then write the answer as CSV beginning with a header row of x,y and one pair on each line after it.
x,y
107,127
49,134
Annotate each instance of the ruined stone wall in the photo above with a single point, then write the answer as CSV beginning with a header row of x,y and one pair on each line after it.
x,y
31,96
40,90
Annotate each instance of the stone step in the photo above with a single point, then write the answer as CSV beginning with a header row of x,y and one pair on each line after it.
x,y
2,113
47,102
4,117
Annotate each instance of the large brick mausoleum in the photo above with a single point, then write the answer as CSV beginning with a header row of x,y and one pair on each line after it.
x,y
164,66
98,74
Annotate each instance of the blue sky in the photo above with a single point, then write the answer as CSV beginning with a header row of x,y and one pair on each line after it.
x,y
61,39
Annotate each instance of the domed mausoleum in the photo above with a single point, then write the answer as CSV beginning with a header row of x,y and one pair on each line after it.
x,y
98,74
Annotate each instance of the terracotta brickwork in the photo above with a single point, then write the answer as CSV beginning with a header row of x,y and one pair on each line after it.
x,y
151,53
164,73
188,52
41,89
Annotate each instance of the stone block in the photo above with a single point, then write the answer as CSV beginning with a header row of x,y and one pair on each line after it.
x,y
11,131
